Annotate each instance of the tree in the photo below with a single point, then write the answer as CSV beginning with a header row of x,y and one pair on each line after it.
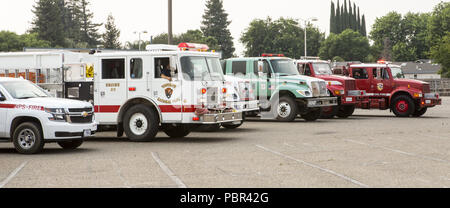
x,y
89,30
111,35
215,24
11,42
363,26
345,17
333,23
283,36
349,45
439,23
402,52
48,23
441,54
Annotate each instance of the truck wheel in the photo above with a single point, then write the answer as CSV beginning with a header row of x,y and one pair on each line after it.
x,y
176,131
346,111
329,112
234,126
286,109
403,106
419,113
141,123
27,138
70,145
312,114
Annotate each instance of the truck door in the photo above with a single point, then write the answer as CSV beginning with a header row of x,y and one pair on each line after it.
x,y
381,83
111,89
362,78
3,112
168,94
264,83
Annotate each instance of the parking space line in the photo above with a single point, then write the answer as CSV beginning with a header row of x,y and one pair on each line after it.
x,y
119,172
314,166
12,175
168,172
399,151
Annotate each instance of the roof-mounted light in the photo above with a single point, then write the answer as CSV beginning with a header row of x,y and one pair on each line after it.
x,y
272,55
193,47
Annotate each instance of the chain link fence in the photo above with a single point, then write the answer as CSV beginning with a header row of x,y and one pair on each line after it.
x,y
441,86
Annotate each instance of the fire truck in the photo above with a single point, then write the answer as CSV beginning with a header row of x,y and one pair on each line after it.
x,y
282,92
387,89
168,88
344,88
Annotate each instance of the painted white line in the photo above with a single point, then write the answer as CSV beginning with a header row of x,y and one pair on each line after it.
x,y
12,175
399,151
119,172
314,166
167,170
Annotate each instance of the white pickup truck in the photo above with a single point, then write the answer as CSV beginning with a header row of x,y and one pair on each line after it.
x,y
30,117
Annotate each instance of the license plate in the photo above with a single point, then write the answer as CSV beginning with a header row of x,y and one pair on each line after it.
x,y
349,99
87,133
428,101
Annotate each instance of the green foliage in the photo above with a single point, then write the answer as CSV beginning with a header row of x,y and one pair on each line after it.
x,y
439,23
283,36
402,52
346,17
349,45
338,59
11,42
441,54
215,24
111,35
48,22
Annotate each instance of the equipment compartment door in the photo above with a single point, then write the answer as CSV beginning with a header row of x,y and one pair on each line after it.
x,y
111,89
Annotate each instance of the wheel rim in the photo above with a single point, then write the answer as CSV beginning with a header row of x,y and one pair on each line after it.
x,y
284,109
402,106
138,124
27,139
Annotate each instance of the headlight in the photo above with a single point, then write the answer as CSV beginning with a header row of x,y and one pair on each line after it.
x,y
58,114
339,92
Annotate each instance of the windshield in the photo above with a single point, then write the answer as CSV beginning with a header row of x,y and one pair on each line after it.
x,y
322,69
284,67
201,68
24,90
397,73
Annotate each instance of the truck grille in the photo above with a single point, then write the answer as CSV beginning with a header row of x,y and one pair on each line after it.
x,y
319,89
81,119
350,85
426,88
80,110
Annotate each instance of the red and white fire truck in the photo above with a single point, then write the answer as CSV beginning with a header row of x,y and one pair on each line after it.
x,y
344,88
168,88
387,89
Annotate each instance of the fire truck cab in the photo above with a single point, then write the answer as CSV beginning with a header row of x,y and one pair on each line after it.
x,y
344,88
387,89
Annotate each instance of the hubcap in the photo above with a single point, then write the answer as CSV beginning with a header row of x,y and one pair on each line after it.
x,y
402,106
284,109
138,124
27,139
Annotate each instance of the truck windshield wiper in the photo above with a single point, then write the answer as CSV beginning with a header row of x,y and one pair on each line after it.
x,y
24,98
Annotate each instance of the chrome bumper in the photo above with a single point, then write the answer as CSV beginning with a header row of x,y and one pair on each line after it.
x,y
245,106
321,102
221,118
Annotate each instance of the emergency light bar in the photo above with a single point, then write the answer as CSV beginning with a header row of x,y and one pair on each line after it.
x,y
272,55
193,47
161,47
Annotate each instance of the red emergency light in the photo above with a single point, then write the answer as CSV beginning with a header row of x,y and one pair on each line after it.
x,y
272,55
193,47
382,61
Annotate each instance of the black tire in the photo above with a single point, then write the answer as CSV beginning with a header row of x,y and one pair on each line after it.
x,y
329,112
419,113
177,131
71,145
312,114
152,119
28,130
403,106
346,111
288,102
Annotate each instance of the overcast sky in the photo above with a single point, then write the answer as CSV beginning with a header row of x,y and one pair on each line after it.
x,y
151,15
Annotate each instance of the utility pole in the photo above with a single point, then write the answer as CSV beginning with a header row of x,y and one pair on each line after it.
x,y
170,22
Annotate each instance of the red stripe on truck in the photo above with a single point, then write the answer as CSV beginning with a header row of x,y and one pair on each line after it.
x,y
7,105
164,108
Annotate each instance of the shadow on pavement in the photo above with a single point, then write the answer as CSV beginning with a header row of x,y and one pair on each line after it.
x,y
159,140
49,151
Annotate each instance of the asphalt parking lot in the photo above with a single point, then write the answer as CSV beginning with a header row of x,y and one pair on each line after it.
x,y
370,149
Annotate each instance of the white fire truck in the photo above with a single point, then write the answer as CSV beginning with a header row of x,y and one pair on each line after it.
x,y
168,88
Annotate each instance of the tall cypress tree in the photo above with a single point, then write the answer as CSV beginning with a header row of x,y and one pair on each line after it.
x,y
350,15
333,19
346,23
338,19
48,21
359,22
89,30
355,18
111,35
363,26
215,24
